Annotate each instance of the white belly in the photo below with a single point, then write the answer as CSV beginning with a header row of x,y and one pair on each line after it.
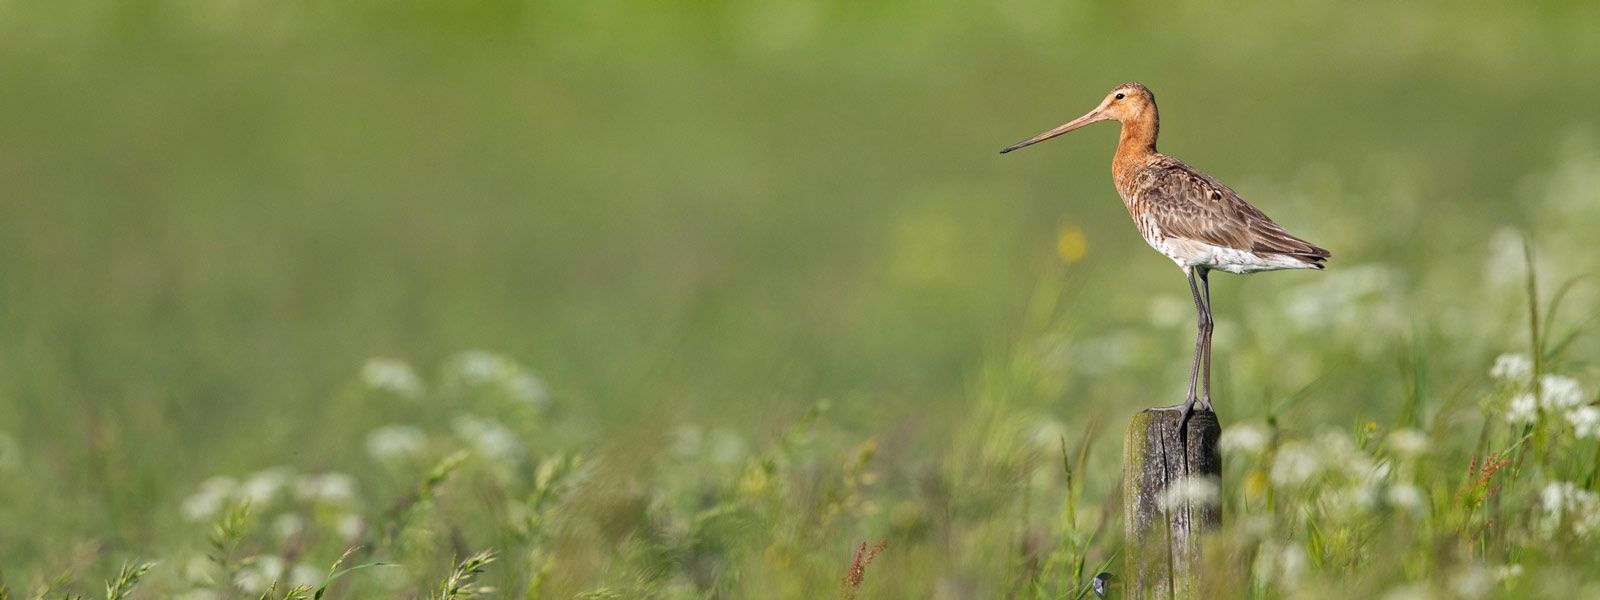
x,y
1190,253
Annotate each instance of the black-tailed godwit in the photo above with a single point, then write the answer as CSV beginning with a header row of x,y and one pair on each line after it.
x,y
1186,215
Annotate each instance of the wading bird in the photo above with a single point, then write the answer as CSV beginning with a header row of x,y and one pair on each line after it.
x,y
1186,215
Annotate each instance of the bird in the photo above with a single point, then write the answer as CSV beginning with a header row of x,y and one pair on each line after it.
x,y
1188,216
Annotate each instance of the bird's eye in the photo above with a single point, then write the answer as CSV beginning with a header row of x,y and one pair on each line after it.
x,y
1119,96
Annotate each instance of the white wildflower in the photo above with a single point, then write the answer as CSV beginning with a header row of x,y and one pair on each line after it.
x,y
1512,367
1243,438
1337,444
1378,473
1363,491
392,375
1295,464
1508,572
1555,496
210,498
1559,392
1352,501
1339,451
1407,496
1191,491
1283,566
305,575
1585,421
259,572
350,526
1408,443
1563,501
727,447
1292,564
489,438
527,388
1523,410
327,488
1047,435
1586,521
288,525
479,367
262,486
395,443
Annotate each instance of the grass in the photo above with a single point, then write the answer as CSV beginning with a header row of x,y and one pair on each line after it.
x,y
695,299
1403,510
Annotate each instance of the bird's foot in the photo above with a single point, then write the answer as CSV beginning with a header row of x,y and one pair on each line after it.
x,y
1187,410
1187,406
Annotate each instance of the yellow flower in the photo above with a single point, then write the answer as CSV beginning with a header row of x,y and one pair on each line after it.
x,y
755,482
1255,485
1070,243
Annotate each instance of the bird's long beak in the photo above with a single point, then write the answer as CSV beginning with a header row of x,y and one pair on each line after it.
x,y
1094,116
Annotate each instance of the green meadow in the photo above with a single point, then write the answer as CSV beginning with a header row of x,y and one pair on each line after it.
x,y
626,299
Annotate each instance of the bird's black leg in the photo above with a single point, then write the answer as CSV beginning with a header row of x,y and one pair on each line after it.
x,y
1203,319
1206,324
1201,343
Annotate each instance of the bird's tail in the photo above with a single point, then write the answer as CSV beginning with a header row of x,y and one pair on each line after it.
x,y
1287,245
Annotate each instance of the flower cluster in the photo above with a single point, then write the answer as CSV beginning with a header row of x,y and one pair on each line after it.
x,y
1191,491
477,369
1569,507
1244,439
1555,395
392,375
265,487
394,444
268,528
1512,367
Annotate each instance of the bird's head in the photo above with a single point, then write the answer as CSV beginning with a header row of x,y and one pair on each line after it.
x,y
1129,102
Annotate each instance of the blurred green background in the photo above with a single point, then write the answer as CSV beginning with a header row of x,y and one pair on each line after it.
x,y
215,211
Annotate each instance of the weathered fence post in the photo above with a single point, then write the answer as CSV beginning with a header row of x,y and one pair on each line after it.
x,y
1164,524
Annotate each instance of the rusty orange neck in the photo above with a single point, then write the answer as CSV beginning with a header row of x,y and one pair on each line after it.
x,y
1137,143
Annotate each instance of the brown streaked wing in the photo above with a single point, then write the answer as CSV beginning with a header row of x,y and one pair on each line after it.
x,y
1189,204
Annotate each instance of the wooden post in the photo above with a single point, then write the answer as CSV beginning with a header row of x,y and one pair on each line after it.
x,y
1163,530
